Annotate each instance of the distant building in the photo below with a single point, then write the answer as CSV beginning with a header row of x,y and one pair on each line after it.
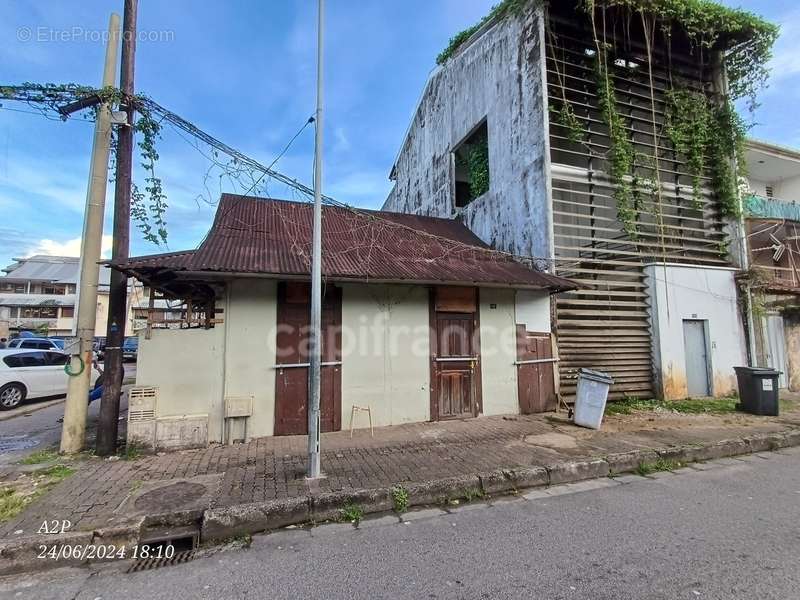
x,y
39,294
772,217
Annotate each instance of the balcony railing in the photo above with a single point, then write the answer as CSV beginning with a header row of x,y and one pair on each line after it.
x,y
771,208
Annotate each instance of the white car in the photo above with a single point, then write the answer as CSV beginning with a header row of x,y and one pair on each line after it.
x,y
33,374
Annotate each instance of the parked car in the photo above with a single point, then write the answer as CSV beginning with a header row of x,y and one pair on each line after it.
x,y
37,343
130,348
33,374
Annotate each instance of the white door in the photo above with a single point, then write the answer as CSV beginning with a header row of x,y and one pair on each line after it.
x,y
776,348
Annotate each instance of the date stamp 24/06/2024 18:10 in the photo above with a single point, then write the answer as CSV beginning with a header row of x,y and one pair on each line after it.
x,y
96,551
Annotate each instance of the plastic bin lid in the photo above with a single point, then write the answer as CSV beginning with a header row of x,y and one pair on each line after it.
x,y
760,371
596,376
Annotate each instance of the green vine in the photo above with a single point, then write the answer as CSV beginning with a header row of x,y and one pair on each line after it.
x,y
478,166
689,125
564,115
475,160
621,155
745,38
148,207
497,12
710,137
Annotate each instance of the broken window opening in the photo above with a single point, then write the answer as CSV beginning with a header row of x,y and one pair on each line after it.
x,y
472,166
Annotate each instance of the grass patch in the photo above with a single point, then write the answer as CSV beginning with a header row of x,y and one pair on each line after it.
x,y
133,450
662,464
14,498
473,494
11,504
400,499
56,473
40,456
690,406
351,513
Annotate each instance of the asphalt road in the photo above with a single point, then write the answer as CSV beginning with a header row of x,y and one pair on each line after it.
x,y
731,530
30,428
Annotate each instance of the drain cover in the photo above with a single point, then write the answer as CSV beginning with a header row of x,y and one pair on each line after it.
x,y
16,442
171,496
146,564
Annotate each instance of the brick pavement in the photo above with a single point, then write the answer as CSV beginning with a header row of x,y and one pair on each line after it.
x,y
105,492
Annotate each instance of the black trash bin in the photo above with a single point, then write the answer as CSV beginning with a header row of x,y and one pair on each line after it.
x,y
758,390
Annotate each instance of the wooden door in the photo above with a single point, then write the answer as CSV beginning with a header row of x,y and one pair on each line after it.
x,y
535,374
455,354
291,382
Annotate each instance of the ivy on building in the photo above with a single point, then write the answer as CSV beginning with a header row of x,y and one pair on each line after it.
x,y
709,133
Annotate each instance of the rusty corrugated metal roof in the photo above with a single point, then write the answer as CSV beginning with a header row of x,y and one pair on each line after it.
x,y
260,235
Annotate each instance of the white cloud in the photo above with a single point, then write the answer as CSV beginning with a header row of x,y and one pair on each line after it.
x,y
786,62
67,248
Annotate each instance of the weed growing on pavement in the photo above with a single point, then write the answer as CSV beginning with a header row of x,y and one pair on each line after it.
x,y
132,451
56,473
351,513
40,456
11,504
691,406
662,464
400,499
14,498
473,493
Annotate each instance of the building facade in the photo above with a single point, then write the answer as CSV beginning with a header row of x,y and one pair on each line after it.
x,y
39,294
653,249
772,217
421,322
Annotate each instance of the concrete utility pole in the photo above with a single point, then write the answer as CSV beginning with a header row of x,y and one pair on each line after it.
x,y
107,427
74,429
315,335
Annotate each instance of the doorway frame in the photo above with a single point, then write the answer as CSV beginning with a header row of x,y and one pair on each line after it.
x,y
477,382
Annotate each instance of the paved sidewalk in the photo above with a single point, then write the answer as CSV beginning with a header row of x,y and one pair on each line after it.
x,y
104,493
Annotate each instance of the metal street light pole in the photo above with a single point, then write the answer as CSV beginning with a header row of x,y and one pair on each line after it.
x,y
75,409
315,336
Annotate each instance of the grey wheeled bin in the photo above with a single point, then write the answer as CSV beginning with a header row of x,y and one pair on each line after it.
x,y
590,401
758,390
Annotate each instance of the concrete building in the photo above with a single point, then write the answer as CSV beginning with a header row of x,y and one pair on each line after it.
x,y
421,321
38,294
658,302
772,216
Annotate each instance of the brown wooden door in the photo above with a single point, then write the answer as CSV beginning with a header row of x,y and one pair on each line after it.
x,y
535,379
454,366
291,382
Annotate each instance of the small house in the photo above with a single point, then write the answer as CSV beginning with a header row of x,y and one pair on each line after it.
x,y
421,321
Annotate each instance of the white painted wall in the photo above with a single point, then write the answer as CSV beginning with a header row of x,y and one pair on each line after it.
x,y
498,352
186,367
683,292
385,353
533,310
251,320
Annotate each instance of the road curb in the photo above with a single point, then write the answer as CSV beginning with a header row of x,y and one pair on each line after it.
x,y
218,524
29,409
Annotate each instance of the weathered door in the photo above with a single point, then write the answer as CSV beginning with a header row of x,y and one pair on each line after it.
x,y
455,354
291,382
776,348
535,377
694,344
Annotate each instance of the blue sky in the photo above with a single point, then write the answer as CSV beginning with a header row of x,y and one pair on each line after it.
x,y
245,72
